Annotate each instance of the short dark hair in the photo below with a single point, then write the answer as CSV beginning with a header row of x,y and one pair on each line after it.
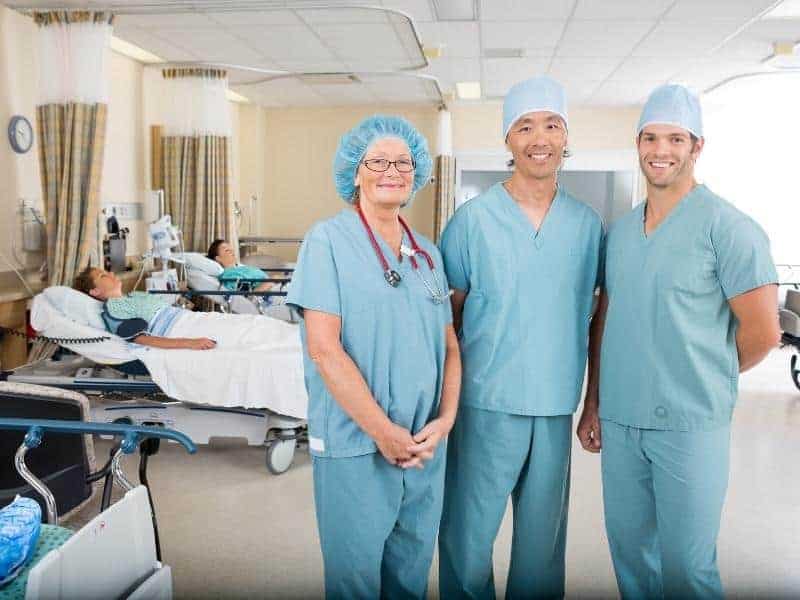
x,y
84,282
213,249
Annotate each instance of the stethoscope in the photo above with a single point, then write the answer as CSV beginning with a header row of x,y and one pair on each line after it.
x,y
438,294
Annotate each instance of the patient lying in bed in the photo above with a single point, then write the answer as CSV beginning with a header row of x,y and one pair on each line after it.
x,y
222,252
150,320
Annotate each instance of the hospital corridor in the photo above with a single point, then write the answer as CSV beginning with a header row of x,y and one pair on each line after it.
x,y
399,299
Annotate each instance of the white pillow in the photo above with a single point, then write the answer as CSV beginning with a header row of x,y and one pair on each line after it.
x,y
200,262
76,306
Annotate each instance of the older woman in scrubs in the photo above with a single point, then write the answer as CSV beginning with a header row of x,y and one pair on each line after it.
x,y
382,369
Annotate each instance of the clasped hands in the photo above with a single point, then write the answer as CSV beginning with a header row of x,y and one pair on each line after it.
x,y
400,448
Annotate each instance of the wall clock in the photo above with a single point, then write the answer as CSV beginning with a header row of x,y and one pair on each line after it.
x,y
20,134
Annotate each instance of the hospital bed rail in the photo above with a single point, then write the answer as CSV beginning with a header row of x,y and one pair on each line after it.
x,y
66,570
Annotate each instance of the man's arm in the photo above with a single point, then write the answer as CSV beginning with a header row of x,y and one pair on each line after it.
x,y
758,331
588,431
457,302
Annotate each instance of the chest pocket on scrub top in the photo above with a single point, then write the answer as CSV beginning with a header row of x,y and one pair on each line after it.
x,y
686,273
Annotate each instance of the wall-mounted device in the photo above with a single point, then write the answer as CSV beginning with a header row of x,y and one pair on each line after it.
x,y
114,246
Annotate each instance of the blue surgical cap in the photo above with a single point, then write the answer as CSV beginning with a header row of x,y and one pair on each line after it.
x,y
355,143
533,95
672,104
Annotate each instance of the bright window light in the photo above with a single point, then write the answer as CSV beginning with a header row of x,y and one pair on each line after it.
x,y
750,156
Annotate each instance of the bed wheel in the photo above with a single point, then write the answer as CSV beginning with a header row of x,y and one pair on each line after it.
x,y
794,371
279,455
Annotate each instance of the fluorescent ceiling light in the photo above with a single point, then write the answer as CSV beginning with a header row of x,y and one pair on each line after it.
x,y
234,97
469,90
455,10
785,55
134,52
788,9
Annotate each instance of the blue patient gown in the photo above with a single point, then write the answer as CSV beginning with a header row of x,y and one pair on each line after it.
x,y
377,522
669,371
523,339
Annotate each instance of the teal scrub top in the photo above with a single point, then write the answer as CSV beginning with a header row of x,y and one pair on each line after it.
x,y
525,323
669,359
395,336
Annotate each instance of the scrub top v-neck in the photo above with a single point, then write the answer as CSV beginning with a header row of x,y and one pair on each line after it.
x,y
669,358
395,335
529,298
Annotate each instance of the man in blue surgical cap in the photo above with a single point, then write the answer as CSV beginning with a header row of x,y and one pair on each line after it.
x,y
690,303
524,260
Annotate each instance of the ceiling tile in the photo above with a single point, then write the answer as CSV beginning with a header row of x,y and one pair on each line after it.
x,y
648,69
499,74
691,11
505,10
772,30
623,94
579,90
573,68
340,16
745,49
353,42
460,40
355,93
419,10
602,38
622,10
684,39
530,35
288,42
283,92
167,21
451,70
161,48
211,45
257,17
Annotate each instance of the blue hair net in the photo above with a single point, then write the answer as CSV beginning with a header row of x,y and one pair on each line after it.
x,y
355,143
672,104
533,95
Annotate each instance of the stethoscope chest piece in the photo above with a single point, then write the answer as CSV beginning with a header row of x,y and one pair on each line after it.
x,y
392,277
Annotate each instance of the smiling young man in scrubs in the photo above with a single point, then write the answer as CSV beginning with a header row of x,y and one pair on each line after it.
x,y
523,259
691,302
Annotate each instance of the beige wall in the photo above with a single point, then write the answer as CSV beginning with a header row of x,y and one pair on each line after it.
x,y
294,170
19,173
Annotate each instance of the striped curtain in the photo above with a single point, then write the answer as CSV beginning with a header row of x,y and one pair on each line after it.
x,y
71,129
195,157
445,175
445,193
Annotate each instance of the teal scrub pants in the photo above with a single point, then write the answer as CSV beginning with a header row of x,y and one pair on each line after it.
x,y
377,525
663,493
491,456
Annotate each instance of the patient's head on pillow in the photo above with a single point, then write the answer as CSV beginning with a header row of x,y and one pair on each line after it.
x,y
222,252
99,284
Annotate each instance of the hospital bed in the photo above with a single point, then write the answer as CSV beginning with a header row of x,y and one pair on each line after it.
x,y
790,327
203,277
175,388
116,554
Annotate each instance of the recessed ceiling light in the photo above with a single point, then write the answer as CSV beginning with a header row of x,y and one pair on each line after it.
x,y
134,52
234,97
469,90
785,55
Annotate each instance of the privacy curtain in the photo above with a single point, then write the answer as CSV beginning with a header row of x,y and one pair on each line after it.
x,y
444,175
71,128
195,155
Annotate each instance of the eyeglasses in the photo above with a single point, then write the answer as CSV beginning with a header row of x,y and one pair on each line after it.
x,y
381,165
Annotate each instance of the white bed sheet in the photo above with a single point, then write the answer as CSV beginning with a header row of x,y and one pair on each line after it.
x,y
257,362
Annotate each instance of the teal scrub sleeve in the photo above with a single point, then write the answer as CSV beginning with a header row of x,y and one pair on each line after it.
x,y
744,261
315,283
454,247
